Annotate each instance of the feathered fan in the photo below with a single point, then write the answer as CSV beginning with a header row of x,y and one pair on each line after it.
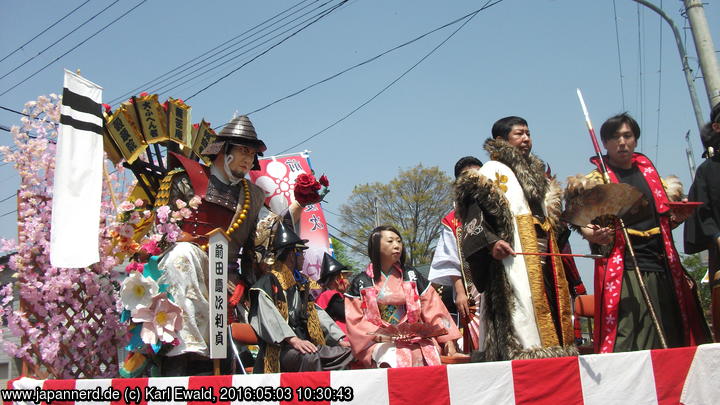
x,y
604,201
408,331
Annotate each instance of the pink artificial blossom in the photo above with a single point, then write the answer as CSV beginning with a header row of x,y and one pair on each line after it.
x,y
127,231
126,206
162,213
151,247
160,320
134,266
180,204
195,202
46,291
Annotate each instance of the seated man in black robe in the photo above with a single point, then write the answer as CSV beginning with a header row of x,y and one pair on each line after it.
x,y
291,330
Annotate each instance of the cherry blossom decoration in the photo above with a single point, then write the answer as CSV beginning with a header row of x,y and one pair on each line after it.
x,y
278,184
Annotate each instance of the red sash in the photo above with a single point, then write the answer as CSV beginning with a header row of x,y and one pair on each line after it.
x,y
451,222
609,271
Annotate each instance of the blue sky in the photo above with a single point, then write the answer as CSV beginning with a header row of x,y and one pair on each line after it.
x,y
517,58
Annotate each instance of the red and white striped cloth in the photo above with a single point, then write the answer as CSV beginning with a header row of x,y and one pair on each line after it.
x,y
685,375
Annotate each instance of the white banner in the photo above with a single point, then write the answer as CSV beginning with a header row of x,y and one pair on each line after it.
x,y
77,189
218,255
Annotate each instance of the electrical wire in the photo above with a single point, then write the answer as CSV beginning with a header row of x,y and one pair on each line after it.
x,y
617,40
487,5
641,80
269,49
73,48
8,213
58,40
366,61
44,31
351,246
14,111
161,77
210,68
8,197
344,233
657,134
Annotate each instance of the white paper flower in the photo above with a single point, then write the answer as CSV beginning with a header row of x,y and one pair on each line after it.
x,y
137,291
161,320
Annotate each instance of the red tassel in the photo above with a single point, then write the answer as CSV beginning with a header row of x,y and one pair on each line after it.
x,y
237,294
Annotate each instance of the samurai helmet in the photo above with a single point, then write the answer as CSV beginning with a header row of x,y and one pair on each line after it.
x,y
239,131
286,238
330,267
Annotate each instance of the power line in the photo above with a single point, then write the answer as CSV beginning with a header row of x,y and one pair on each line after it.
x,y
326,13
641,81
342,217
44,31
14,111
175,83
60,39
344,233
366,61
73,48
154,80
487,5
617,40
8,197
353,247
4,128
8,213
657,135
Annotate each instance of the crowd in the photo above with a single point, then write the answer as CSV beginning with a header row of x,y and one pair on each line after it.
x,y
503,250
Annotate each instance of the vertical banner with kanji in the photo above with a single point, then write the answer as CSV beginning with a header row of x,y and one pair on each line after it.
x,y
217,285
276,177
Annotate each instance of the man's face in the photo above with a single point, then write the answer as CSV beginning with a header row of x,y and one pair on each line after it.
x,y
519,137
240,160
620,146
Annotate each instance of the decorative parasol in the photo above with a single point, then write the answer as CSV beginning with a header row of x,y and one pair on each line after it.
x,y
408,331
603,201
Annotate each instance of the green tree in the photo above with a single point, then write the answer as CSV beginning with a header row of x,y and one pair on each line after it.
x,y
697,270
413,202
343,255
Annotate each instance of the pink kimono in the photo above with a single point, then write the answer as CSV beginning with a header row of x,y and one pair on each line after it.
x,y
402,296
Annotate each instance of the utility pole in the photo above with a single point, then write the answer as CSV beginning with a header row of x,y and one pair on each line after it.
x,y
705,49
684,59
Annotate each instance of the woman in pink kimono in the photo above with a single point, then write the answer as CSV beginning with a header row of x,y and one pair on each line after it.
x,y
387,293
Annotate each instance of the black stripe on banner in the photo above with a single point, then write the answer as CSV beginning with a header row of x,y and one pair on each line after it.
x,y
81,103
80,125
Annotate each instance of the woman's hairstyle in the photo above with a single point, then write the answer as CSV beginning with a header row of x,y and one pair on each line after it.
x,y
374,249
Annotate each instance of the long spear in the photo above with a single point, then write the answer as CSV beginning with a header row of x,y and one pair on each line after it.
x,y
606,179
588,256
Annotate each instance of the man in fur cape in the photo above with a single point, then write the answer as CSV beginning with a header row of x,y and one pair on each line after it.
x,y
622,318
510,204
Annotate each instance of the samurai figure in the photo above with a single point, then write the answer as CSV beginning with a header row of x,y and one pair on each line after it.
x,y
291,328
702,229
509,205
227,201
623,321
